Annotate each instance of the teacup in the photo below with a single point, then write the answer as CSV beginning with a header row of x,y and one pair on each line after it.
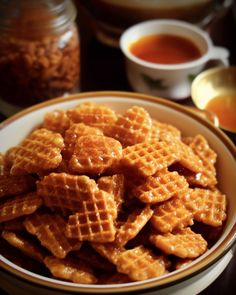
x,y
169,80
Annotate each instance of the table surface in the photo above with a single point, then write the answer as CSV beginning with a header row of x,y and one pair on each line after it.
x,y
103,68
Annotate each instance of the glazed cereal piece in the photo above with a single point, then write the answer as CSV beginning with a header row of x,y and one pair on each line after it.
x,y
207,178
164,131
70,269
187,139
94,220
94,154
194,200
210,233
14,224
91,257
19,258
161,187
183,243
171,215
40,151
113,185
63,192
149,157
110,251
74,132
56,121
135,222
140,264
19,206
134,126
213,209
187,158
25,245
2,164
49,229
62,168
8,160
201,147
181,263
11,185
94,115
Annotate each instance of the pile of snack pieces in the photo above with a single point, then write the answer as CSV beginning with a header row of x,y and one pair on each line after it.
x,y
98,197
50,63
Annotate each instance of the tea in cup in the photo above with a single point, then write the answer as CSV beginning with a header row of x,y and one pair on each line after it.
x,y
163,56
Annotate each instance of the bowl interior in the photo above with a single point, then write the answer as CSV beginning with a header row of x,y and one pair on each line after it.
x,y
162,110
215,90
212,83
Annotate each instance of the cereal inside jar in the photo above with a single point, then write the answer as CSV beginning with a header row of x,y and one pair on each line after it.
x,y
39,52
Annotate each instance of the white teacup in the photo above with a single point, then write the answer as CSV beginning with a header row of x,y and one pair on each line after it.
x,y
171,81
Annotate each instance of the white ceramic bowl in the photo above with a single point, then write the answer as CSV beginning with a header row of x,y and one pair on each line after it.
x,y
189,280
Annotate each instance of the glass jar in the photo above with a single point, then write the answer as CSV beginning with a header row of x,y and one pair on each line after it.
x,y
39,52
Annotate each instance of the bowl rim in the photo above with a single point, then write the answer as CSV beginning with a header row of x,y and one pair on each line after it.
x,y
144,286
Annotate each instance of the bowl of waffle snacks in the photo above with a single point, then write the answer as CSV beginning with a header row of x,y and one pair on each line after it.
x,y
112,192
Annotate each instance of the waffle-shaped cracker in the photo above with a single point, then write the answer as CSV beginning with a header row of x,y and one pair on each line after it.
x,y
187,158
140,264
14,224
201,147
64,192
149,157
213,208
113,185
171,215
194,200
94,220
56,121
92,257
40,151
7,161
161,187
70,269
108,250
183,243
94,154
49,229
134,126
135,222
74,132
19,206
98,116
207,178
2,164
11,185
164,131
210,233
25,245
19,258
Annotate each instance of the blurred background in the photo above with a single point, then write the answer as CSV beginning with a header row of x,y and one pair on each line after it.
x,y
101,22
